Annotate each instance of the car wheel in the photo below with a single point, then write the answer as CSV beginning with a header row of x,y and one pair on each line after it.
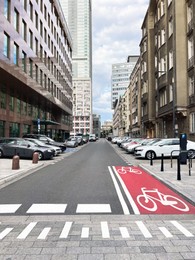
x,y
1,153
40,155
150,155
191,154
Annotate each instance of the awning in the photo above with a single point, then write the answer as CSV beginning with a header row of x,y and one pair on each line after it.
x,y
45,122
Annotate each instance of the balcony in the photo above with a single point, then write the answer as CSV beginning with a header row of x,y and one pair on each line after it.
x,y
191,62
190,26
192,100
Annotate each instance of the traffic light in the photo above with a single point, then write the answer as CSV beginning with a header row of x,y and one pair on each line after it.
x,y
183,148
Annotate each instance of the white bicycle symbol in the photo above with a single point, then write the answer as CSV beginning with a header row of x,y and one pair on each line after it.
x,y
148,201
125,170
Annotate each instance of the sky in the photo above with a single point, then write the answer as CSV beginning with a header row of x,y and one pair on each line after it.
x,y
116,34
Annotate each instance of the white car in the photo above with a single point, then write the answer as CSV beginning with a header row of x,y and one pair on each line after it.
x,y
167,147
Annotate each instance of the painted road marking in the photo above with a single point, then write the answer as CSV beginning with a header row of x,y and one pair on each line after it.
x,y
165,232
9,208
44,233
120,196
85,232
143,229
124,232
5,232
47,208
93,208
27,230
105,229
66,230
130,198
182,229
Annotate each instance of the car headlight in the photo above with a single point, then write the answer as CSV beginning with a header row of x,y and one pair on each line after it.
x,y
49,150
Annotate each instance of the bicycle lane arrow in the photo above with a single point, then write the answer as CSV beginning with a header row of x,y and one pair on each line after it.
x,y
150,195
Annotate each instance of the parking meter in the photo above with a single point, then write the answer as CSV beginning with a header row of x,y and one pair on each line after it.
x,y
183,148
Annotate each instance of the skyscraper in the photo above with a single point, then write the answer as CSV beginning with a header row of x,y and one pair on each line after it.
x,y
120,77
78,16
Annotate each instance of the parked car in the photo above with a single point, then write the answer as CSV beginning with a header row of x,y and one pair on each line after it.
x,y
72,142
165,147
57,149
24,148
148,141
46,140
79,140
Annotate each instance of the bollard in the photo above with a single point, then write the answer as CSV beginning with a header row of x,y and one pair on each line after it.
x,y
151,160
178,170
162,163
35,157
15,162
189,164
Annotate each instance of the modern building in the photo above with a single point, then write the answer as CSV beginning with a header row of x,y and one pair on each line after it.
x,y
120,77
35,69
97,125
78,14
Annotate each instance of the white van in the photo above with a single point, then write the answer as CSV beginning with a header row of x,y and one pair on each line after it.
x,y
92,138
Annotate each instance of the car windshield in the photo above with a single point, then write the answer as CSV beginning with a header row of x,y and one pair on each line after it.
x,y
37,142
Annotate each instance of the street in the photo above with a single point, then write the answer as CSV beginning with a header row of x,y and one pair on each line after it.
x,y
94,205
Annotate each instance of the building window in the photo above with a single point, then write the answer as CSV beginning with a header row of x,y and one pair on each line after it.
x,y
192,122
14,130
171,59
24,61
45,81
163,97
36,73
36,47
11,103
45,13
31,39
31,68
31,11
191,85
170,26
36,21
18,104
24,2
41,5
16,20
41,77
16,54
2,98
170,93
41,28
24,28
6,45
7,9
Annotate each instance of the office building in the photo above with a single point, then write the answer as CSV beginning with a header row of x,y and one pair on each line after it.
x,y
78,14
120,77
35,69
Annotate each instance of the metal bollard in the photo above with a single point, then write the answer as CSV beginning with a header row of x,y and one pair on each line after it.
x,y
151,161
35,157
15,162
178,170
190,165
162,163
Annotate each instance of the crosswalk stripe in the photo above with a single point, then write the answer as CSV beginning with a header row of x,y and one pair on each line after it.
x,y
182,229
165,232
143,229
93,208
105,229
27,230
124,232
47,208
5,232
9,208
66,230
44,233
85,232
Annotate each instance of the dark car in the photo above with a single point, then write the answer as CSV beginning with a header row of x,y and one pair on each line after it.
x,y
46,140
23,148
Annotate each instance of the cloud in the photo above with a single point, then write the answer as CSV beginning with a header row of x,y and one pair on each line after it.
x,y
116,35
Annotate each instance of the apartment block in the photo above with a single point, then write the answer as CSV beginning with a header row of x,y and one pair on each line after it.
x,y
35,69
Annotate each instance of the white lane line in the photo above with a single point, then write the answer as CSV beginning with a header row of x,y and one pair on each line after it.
x,y
143,229
85,232
131,201
5,232
93,208
66,230
124,232
182,229
47,208
27,230
120,196
165,232
105,229
9,208
44,233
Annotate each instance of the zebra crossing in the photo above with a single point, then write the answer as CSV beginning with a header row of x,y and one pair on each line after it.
x,y
103,229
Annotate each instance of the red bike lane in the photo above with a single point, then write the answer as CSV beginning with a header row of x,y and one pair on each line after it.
x,y
150,195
